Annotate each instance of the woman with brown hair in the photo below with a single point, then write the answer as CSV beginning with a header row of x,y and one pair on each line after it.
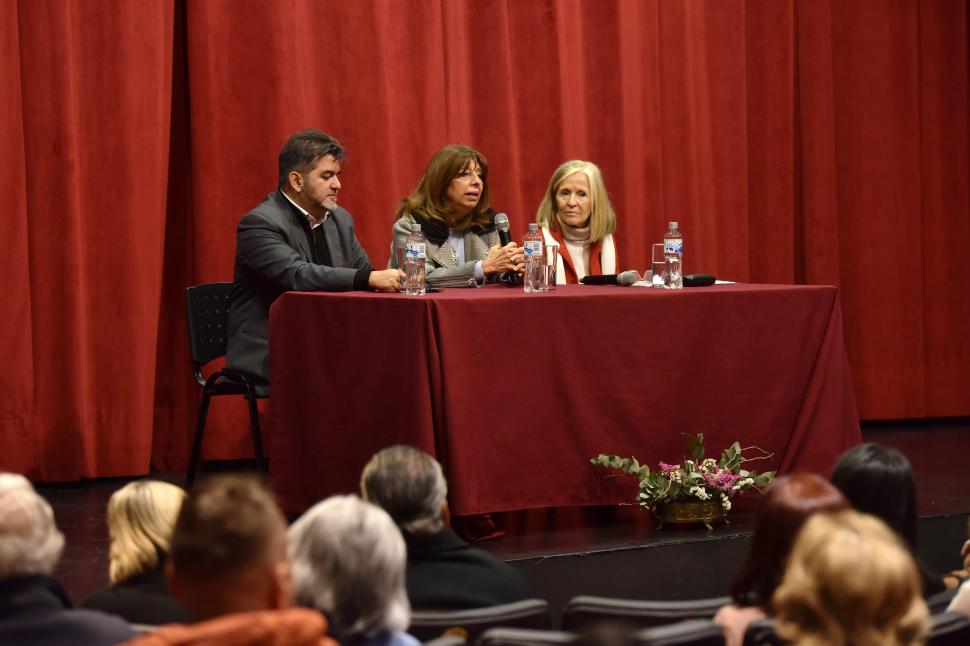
x,y
786,505
451,203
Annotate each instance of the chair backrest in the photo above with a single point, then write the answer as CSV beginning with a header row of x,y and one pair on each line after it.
x,y
584,611
699,632
940,601
525,637
207,312
948,628
761,632
469,624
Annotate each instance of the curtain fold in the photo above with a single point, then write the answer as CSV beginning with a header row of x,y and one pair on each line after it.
x,y
809,141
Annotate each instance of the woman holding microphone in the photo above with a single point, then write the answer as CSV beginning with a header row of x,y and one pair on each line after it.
x,y
451,203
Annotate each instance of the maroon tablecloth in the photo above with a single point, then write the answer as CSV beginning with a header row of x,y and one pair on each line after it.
x,y
515,392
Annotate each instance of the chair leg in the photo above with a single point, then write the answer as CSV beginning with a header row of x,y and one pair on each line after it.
x,y
254,430
197,440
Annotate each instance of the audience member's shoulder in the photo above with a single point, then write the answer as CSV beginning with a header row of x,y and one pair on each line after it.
x,y
94,628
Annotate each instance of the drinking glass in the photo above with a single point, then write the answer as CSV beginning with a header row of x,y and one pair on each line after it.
x,y
550,262
657,265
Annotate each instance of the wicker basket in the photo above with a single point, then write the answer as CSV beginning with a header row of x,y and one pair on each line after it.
x,y
683,513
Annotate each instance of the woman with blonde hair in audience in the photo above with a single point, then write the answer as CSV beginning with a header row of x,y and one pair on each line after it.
x,y
141,517
850,581
576,214
787,503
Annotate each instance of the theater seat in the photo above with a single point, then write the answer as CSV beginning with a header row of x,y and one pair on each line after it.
x,y
584,611
525,637
469,624
700,632
949,629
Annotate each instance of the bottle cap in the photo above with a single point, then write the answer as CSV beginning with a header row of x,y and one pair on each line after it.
x,y
672,225
415,228
533,227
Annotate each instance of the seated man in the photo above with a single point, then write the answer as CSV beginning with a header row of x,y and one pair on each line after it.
x,y
298,239
34,609
443,572
229,567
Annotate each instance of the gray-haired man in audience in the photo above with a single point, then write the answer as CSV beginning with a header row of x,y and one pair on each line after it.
x,y
443,571
34,609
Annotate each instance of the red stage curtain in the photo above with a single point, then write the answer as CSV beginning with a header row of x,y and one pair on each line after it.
x,y
811,141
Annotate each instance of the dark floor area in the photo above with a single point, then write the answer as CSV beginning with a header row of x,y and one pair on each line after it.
x,y
937,450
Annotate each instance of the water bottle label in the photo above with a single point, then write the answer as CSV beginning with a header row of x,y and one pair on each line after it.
x,y
533,248
415,250
674,246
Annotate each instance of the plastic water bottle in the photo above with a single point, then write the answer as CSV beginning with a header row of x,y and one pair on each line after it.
x,y
532,246
415,247
673,258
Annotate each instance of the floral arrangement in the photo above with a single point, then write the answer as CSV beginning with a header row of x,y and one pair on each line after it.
x,y
696,478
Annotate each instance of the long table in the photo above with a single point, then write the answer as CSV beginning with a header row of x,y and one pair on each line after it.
x,y
515,392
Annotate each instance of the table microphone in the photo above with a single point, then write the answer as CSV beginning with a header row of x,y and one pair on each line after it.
x,y
502,226
625,278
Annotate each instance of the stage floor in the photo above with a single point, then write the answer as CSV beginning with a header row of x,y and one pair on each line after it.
x,y
609,551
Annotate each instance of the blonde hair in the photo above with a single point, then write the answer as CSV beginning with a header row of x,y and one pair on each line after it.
x,y
141,517
602,219
850,581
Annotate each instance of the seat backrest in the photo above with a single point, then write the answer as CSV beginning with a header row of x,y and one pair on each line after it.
x,y
584,611
761,632
940,601
469,624
699,632
207,312
525,637
948,628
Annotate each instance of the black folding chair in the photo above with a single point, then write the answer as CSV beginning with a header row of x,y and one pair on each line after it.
x,y
207,309
468,624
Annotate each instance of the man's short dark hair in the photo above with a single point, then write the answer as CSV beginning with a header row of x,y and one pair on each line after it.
x,y
226,525
302,150
409,485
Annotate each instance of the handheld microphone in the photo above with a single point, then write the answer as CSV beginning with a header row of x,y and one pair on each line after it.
x,y
509,278
625,278
502,226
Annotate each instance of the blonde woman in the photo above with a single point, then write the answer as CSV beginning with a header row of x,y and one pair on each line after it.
x,y
141,517
850,581
576,214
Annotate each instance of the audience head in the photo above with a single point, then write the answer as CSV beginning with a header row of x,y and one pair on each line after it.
x,y
348,562
229,549
878,480
438,195
787,503
30,542
303,150
850,581
409,485
578,174
141,517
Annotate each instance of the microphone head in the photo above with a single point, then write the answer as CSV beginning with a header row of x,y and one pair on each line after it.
x,y
502,222
627,277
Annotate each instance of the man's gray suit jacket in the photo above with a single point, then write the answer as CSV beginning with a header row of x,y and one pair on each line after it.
x,y
274,255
